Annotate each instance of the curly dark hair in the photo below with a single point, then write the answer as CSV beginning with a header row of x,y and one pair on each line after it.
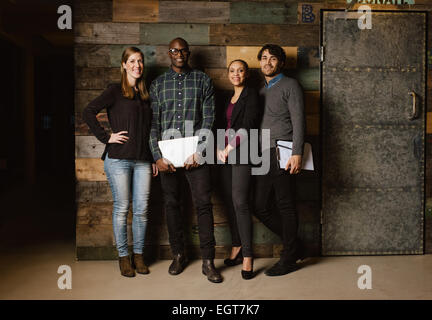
x,y
275,50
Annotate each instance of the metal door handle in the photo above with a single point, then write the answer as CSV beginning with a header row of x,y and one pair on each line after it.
x,y
414,107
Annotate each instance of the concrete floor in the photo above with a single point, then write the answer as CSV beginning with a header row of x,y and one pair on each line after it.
x,y
36,237
31,273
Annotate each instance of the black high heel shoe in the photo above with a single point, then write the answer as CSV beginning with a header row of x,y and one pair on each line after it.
x,y
247,275
233,262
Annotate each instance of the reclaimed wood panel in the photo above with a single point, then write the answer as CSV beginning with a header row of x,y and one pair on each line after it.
x,y
194,12
107,33
93,191
201,56
95,78
99,191
88,235
247,34
84,97
311,102
82,129
92,11
243,34
89,170
88,55
99,235
88,147
135,10
299,35
308,57
101,213
312,124
309,78
162,33
97,213
263,13
249,54
116,51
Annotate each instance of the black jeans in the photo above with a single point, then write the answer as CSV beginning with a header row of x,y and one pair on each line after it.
x,y
200,185
282,221
236,181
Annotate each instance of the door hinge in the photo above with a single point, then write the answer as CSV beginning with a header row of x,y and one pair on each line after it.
x,y
322,53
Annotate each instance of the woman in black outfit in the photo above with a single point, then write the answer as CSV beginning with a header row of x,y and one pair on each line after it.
x,y
240,115
127,157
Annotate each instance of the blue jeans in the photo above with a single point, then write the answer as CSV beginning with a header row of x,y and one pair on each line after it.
x,y
123,175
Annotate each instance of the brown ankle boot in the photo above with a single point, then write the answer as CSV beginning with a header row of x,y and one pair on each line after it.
x,y
125,267
139,265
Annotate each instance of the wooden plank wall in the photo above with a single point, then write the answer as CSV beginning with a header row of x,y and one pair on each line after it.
x,y
218,31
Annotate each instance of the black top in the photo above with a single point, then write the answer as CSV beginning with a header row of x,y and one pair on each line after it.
x,y
245,115
131,115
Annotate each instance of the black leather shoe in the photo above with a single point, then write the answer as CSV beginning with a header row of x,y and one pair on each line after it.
x,y
178,264
210,271
281,268
233,262
247,275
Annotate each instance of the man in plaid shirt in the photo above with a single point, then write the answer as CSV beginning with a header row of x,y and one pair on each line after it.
x,y
179,95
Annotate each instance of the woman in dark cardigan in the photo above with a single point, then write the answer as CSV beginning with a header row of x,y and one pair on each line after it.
x,y
127,157
240,115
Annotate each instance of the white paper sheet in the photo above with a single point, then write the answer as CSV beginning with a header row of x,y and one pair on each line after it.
x,y
285,151
178,150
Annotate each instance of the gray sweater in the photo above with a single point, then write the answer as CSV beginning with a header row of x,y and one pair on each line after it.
x,y
284,113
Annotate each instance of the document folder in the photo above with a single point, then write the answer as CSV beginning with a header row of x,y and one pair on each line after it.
x,y
284,151
178,150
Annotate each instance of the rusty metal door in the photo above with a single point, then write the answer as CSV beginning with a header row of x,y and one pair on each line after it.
x,y
372,135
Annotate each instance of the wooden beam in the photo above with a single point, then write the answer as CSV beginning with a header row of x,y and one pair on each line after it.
x,y
84,97
135,11
252,34
93,191
107,33
194,12
244,34
263,13
88,147
89,169
92,11
163,33
95,78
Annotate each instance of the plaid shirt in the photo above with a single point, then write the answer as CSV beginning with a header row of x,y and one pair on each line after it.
x,y
176,98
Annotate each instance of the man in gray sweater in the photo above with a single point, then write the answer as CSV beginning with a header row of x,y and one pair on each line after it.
x,y
283,114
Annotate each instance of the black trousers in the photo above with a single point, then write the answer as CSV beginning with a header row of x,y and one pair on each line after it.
x,y
236,182
200,186
275,206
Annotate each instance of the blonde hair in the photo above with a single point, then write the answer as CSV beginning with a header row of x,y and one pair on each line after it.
x,y
127,90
